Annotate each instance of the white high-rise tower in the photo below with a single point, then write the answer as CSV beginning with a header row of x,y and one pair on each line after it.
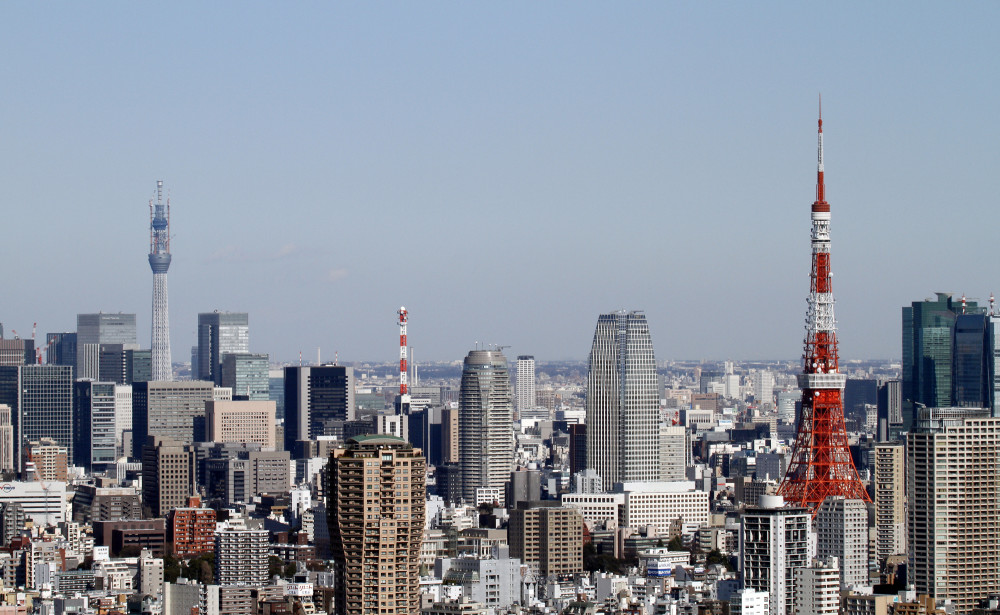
x,y
623,401
525,384
159,262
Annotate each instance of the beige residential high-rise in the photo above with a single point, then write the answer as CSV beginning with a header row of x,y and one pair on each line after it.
x,y
241,422
547,535
449,435
953,488
890,499
375,513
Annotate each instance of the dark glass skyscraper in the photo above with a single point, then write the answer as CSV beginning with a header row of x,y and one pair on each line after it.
x,y
219,334
318,401
971,382
41,402
928,338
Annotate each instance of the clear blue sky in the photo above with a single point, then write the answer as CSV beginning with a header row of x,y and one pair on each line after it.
x,y
507,171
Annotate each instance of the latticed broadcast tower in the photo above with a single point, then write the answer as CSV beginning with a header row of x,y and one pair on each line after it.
x,y
821,463
159,262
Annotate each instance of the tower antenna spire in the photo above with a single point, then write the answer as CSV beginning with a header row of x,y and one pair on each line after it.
x,y
820,183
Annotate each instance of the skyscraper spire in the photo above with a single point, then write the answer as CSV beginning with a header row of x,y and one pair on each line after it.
x,y
159,262
821,463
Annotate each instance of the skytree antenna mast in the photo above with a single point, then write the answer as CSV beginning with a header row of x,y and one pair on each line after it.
x,y
159,262
821,462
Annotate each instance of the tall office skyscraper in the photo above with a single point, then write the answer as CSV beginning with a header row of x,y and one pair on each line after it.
x,y
95,424
485,419
247,375
623,401
61,349
525,384
17,352
173,410
375,515
318,401
889,402
928,335
92,330
219,334
953,488
971,381
159,262
41,402
166,475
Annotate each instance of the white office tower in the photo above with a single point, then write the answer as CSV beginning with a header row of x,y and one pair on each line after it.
x,y
890,500
485,419
731,384
623,401
953,487
525,384
842,532
674,452
762,382
774,541
817,588
749,601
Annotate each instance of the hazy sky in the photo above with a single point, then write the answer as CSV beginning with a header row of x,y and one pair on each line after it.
x,y
506,170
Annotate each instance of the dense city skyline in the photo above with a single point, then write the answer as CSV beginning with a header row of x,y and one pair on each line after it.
x,y
328,164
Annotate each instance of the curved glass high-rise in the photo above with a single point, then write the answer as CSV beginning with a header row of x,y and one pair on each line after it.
x,y
485,420
623,401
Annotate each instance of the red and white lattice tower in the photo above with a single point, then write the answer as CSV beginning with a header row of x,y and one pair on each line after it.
x,y
821,462
403,389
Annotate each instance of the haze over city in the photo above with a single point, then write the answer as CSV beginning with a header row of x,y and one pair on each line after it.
x,y
507,172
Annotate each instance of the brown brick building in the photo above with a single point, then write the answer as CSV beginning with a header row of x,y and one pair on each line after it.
x,y
376,519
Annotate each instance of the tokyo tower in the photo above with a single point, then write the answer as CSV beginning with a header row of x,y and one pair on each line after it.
x,y
821,463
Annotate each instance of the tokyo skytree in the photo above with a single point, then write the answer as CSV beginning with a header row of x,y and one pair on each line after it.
x,y
159,262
